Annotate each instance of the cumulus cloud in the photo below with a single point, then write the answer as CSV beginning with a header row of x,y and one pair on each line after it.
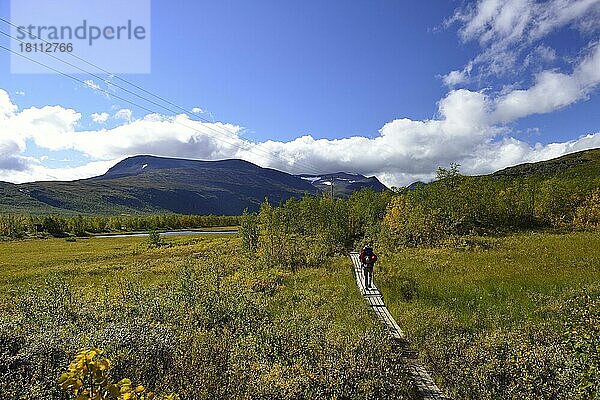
x,y
197,110
100,118
7,108
468,128
34,171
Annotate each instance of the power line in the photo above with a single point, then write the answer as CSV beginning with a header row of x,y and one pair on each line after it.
x,y
106,72
105,91
209,127
190,114
250,150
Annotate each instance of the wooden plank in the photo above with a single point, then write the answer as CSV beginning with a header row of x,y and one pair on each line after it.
x,y
423,382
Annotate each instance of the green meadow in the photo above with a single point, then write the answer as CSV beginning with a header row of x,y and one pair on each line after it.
x,y
508,318
512,317
194,316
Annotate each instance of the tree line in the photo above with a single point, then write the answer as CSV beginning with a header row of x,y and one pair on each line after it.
x,y
303,232
459,206
18,226
306,231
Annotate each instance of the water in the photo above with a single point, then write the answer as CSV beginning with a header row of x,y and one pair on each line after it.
x,y
168,233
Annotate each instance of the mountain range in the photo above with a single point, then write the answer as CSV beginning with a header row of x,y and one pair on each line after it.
x,y
150,184
343,183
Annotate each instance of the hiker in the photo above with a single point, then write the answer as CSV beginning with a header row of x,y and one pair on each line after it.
x,y
368,258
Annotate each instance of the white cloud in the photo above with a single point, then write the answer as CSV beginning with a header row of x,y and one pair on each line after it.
x,y
124,114
91,84
456,77
20,93
558,13
551,91
37,172
508,152
507,28
514,21
469,128
100,118
197,110
7,108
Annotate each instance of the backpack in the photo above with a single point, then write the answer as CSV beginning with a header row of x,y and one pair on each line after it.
x,y
369,256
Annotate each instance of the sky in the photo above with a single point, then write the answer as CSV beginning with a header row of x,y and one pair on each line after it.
x,y
388,88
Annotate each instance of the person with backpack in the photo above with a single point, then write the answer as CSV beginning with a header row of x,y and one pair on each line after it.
x,y
368,258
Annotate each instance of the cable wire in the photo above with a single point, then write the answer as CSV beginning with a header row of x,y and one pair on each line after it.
x,y
192,115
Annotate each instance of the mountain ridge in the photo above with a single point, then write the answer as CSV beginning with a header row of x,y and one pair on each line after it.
x,y
571,161
344,183
152,184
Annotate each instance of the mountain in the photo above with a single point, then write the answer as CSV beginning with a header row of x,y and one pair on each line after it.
x,y
344,183
416,185
149,184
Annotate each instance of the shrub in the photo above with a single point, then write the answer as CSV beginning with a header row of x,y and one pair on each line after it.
x,y
215,327
87,377
410,223
154,239
587,215
249,231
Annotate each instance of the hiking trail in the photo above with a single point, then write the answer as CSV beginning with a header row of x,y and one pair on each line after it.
x,y
424,386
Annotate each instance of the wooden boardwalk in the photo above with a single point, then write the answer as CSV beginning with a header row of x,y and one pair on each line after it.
x,y
424,386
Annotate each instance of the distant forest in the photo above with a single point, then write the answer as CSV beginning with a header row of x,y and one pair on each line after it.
x,y
19,226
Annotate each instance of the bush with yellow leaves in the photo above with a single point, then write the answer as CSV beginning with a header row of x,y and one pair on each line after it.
x,y
87,377
587,215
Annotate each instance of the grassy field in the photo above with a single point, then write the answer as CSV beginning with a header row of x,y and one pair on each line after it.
x,y
516,317
195,316
510,318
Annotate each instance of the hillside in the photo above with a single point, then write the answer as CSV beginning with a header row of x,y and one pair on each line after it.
x,y
14,199
148,184
582,163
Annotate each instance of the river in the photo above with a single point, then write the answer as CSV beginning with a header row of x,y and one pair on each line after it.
x,y
168,233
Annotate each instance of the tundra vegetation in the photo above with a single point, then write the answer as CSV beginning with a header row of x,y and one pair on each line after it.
x,y
194,316
494,279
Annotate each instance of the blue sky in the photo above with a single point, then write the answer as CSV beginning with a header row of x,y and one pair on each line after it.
x,y
386,88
